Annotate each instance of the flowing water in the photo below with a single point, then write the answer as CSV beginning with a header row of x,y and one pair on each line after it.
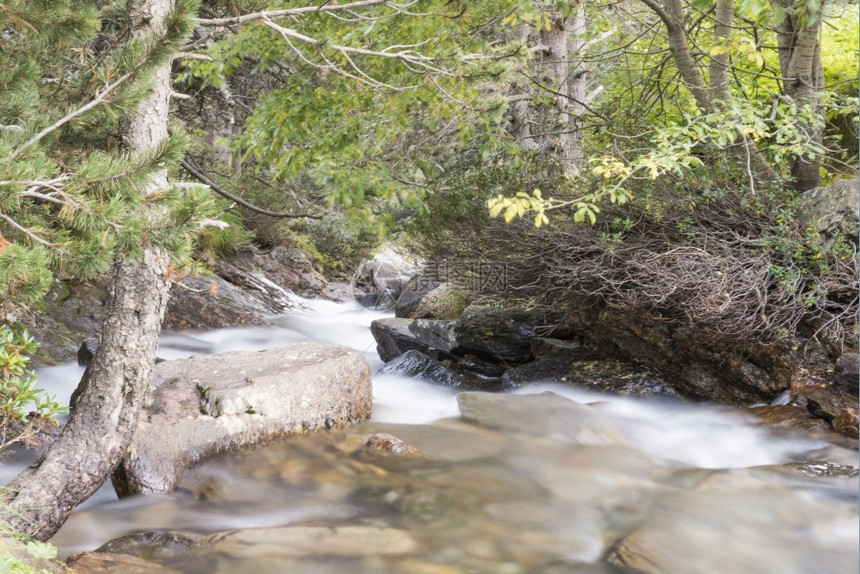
x,y
547,479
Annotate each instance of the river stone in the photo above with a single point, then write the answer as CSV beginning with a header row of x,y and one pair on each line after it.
x,y
106,562
296,541
836,408
384,444
181,551
543,414
769,524
208,404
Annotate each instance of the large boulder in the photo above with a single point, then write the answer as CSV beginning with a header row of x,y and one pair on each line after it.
x,y
411,296
832,209
378,282
212,403
499,336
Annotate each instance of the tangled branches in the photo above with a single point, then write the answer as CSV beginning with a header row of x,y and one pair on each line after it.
x,y
734,268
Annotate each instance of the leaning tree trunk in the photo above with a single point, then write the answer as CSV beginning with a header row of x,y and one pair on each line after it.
x,y
99,431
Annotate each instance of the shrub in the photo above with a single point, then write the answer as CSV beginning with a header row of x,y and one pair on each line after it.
x,y
18,395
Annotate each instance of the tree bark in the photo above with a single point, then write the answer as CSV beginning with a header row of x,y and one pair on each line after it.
x,y
99,430
569,84
671,13
800,62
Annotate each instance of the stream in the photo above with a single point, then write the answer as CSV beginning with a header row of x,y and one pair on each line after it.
x,y
547,479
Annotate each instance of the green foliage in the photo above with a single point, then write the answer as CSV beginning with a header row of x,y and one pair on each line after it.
x,y
24,409
361,89
68,198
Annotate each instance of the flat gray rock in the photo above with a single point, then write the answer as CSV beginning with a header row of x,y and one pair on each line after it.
x,y
212,403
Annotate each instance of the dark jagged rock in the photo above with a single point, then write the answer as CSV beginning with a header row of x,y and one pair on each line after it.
x,y
501,337
847,373
835,408
413,293
592,371
416,364
394,337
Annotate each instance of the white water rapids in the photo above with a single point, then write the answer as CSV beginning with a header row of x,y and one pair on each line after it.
x,y
554,489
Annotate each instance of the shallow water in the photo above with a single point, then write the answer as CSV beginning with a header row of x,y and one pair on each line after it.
x,y
547,479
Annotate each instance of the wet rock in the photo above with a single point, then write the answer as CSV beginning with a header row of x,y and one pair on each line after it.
x,y
474,365
417,364
384,444
835,408
109,563
498,336
294,541
847,373
502,336
544,414
208,404
394,337
584,368
788,417
846,422
769,521
824,469
178,550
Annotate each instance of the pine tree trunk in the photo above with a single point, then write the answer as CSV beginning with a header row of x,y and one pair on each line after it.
x,y
99,430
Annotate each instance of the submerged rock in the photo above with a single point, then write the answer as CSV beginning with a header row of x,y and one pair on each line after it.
x,y
681,534
108,562
208,404
297,541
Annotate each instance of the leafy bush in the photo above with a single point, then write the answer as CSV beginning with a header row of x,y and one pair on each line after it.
x,y
19,424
